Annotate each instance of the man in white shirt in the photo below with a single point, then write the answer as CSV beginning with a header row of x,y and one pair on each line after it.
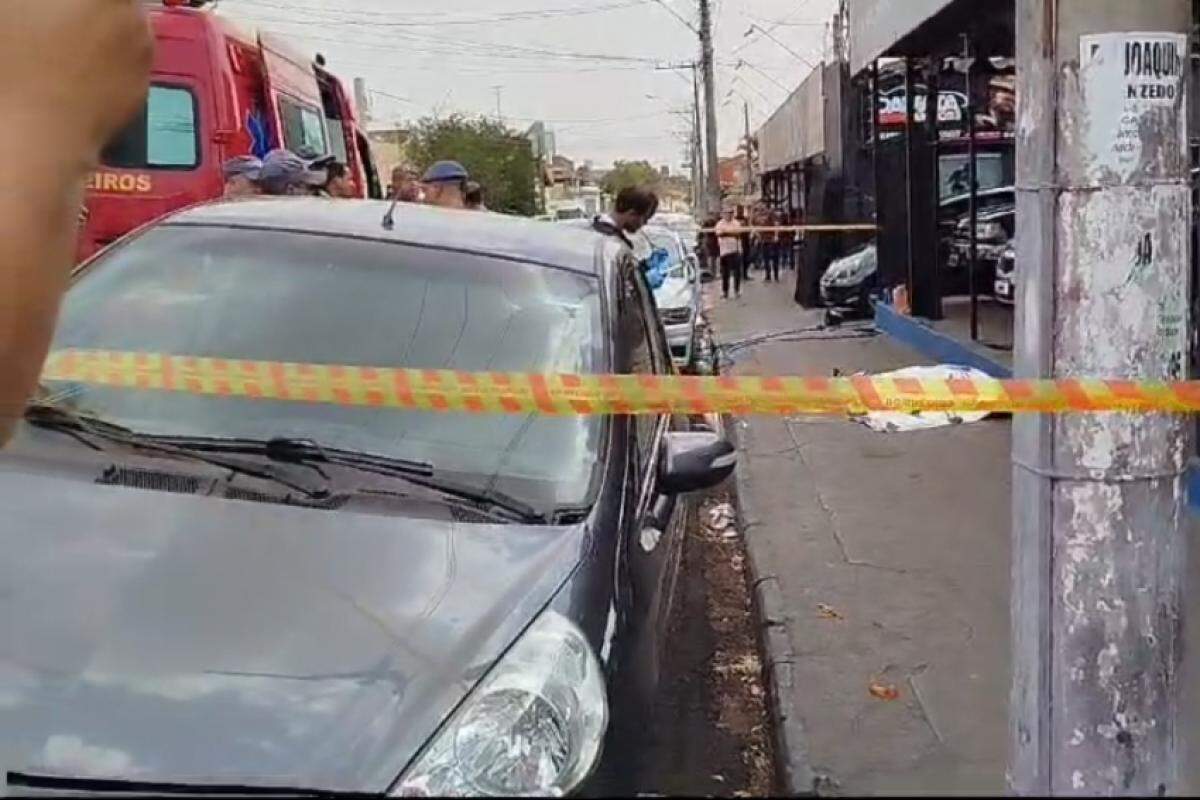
x,y
729,242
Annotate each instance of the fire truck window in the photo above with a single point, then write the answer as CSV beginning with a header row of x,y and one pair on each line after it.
x,y
164,135
303,127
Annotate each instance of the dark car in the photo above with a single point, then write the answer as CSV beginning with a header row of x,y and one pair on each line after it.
x,y
1005,285
850,281
995,232
208,592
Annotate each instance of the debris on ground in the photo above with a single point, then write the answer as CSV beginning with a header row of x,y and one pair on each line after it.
x,y
709,731
828,612
884,691
903,422
721,520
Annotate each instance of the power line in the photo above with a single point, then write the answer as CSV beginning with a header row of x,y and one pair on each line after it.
x,y
412,20
678,16
463,48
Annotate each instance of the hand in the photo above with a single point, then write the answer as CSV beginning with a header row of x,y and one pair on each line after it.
x,y
74,71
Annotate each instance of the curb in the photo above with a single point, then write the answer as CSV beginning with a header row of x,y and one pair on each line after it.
x,y
793,769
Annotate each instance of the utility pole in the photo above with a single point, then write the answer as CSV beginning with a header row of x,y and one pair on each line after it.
x,y
698,171
1104,219
499,90
713,200
749,155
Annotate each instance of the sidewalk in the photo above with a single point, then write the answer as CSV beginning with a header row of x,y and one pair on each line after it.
x,y
882,558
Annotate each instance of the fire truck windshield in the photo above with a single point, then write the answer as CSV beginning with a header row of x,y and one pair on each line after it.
x,y
163,136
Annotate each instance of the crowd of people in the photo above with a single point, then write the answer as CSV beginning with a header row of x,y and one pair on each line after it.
x,y
446,184
741,242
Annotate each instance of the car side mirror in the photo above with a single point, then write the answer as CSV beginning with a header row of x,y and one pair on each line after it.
x,y
694,460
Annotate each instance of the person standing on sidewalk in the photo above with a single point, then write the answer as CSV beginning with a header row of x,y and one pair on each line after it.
x,y
771,244
730,233
787,242
746,243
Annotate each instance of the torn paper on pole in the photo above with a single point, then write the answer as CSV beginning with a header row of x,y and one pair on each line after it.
x,y
902,422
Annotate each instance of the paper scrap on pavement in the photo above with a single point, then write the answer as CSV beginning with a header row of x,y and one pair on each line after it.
x,y
900,422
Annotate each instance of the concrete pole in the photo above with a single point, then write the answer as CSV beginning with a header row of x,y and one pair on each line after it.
x,y
749,155
1099,501
698,171
713,195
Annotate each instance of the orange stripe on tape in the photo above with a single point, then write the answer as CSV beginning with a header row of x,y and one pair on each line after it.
x,y
446,391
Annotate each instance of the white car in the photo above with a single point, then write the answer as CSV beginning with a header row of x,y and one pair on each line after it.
x,y
678,298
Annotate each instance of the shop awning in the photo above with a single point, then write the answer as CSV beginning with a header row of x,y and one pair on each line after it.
x,y
876,25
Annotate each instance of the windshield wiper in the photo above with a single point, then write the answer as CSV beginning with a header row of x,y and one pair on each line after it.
x,y
84,428
306,452
98,786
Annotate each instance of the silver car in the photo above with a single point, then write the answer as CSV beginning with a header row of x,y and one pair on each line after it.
x,y
678,298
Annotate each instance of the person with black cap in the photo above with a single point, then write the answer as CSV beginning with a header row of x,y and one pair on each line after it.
x,y
445,184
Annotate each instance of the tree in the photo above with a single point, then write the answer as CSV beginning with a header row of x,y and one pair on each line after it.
x,y
500,159
631,173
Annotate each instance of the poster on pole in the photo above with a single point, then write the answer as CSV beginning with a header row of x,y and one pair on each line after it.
x,y
1134,90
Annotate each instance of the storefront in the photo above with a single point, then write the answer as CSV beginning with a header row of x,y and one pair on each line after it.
x,y
802,163
920,163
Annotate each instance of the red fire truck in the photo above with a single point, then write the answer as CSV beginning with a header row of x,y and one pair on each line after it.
x,y
217,92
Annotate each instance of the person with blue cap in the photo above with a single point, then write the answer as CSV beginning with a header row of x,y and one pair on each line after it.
x,y
285,173
445,184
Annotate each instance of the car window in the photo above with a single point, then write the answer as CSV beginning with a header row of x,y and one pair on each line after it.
x,y
290,297
164,135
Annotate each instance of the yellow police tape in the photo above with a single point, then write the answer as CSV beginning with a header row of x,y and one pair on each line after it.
x,y
581,395
833,228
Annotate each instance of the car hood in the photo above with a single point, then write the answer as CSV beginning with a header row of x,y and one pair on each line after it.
x,y
171,638
675,293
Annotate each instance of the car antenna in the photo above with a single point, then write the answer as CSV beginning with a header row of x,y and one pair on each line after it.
x,y
389,219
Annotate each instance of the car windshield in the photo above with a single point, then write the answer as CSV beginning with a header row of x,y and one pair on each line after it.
x,y
294,297
664,240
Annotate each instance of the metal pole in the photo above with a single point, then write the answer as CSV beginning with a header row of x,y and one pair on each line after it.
x,y
910,185
713,202
876,164
972,189
1100,508
933,95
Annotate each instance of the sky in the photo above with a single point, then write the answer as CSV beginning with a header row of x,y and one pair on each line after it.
x,y
593,70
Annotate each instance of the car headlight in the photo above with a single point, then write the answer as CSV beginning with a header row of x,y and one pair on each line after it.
x,y
676,316
849,276
533,727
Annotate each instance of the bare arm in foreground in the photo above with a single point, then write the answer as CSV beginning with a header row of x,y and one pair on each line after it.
x,y
74,72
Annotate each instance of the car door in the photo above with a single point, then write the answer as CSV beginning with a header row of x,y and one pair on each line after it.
x,y
655,534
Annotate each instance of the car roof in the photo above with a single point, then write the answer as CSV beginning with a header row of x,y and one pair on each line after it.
x,y
482,233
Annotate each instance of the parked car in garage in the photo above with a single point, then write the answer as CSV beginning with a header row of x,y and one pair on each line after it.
x,y
995,229
210,591
1005,286
849,282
